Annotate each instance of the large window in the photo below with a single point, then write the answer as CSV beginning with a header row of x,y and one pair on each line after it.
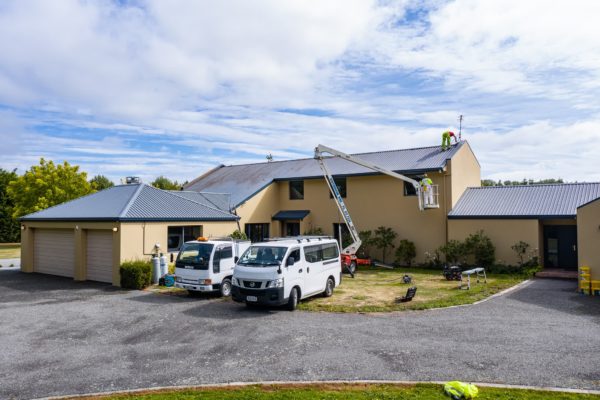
x,y
409,189
296,190
341,187
178,235
321,252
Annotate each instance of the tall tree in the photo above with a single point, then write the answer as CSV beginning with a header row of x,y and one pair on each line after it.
x,y
166,184
46,185
9,225
101,182
384,239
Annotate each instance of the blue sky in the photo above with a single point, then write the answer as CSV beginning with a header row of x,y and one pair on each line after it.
x,y
175,88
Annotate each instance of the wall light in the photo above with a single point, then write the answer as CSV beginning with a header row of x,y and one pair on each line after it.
x,y
115,229
22,227
76,227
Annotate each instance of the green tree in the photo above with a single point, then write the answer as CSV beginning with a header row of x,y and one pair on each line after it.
x,y
9,225
384,239
406,252
101,182
367,240
165,183
520,248
46,185
481,247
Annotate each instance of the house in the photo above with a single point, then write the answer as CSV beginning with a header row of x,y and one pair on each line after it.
x,y
88,238
588,234
284,198
544,216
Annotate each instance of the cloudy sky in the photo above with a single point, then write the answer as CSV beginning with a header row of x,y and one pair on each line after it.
x,y
176,87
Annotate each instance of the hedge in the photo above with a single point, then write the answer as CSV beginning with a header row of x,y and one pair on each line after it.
x,y
136,274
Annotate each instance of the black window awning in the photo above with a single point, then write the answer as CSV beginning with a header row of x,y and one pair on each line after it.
x,y
291,214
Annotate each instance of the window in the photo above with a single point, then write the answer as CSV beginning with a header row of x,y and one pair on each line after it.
x,y
295,254
313,254
341,187
262,256
296,190
330,251
177,235
409,189
195,254
226,252
257,232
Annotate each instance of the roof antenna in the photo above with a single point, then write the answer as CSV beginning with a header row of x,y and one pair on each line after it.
x,y
460,119
269,157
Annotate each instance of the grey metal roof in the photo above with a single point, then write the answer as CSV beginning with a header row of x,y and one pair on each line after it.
x,y
244,181
529,201
291,214
136,202
220,201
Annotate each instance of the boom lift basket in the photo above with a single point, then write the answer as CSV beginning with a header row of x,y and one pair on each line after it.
x,y
429,200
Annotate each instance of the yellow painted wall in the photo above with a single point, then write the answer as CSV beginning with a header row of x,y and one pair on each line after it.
x,y
503,232
588,237
261,207
464,172
138,238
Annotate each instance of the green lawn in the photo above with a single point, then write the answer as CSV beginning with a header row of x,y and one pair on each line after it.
x,y
343,391
10,251
376,289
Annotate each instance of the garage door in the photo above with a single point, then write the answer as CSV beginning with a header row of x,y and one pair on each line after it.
x,y
54,251
99,256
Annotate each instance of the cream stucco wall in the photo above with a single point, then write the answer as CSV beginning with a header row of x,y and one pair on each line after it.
x,y
588,237
138,238
503,232
464,172
373,201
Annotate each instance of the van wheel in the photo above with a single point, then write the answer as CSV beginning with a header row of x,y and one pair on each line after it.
x,y
226,287
329,288
293,300
352,267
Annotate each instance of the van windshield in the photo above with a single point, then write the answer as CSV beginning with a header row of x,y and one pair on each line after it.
x,y
262,256
195,254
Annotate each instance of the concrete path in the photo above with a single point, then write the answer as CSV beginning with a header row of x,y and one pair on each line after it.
x,y
7,262
64,337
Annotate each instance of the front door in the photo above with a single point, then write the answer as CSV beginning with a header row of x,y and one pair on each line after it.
x,y
292,229
560,246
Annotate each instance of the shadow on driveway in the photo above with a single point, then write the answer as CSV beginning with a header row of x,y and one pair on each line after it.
x,y
559,295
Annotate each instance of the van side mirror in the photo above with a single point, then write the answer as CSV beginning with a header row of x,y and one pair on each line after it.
x,y
290,261
235,259
171,257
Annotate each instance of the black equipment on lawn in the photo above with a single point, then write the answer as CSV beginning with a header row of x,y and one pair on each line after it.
x,y
410,293
406,279
453,273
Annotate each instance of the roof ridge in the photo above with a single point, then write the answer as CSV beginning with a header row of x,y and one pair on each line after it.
x,y
535,185
459,145
195,202
132,199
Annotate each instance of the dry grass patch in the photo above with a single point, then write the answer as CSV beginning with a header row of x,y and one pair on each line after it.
x,y
10,251
376,290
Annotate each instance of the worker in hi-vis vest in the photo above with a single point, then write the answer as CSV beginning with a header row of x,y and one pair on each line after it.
x,y
427,190
446,139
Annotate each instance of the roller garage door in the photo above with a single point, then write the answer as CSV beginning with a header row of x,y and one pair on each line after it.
x,y
99,255
54,252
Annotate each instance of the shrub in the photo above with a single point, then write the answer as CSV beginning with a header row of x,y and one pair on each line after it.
x,y
482,249
520,248
454,251
384,239
367,243
136,274
406,252
314,231
237,234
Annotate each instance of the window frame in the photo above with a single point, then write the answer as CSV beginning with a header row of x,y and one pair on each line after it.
x,y
342,188
299,191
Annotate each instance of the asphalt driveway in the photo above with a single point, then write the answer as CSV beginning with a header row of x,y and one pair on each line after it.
x,y
63,337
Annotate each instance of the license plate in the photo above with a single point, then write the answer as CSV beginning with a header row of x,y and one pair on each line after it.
x,y
251,298
189,267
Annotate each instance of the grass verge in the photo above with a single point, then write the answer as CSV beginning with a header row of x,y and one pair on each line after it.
x,y
341,391
10,251
376,289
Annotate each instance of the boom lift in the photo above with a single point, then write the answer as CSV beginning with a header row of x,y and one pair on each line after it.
x,y
425,200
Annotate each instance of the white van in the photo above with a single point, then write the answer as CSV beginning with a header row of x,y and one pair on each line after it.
x,y
206,265
284,271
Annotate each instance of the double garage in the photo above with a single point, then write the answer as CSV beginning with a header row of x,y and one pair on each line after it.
x,y
74,252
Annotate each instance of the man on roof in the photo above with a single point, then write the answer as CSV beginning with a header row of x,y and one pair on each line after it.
x,y
446,139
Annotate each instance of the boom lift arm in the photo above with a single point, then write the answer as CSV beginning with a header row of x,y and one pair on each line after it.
x,y
350,251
